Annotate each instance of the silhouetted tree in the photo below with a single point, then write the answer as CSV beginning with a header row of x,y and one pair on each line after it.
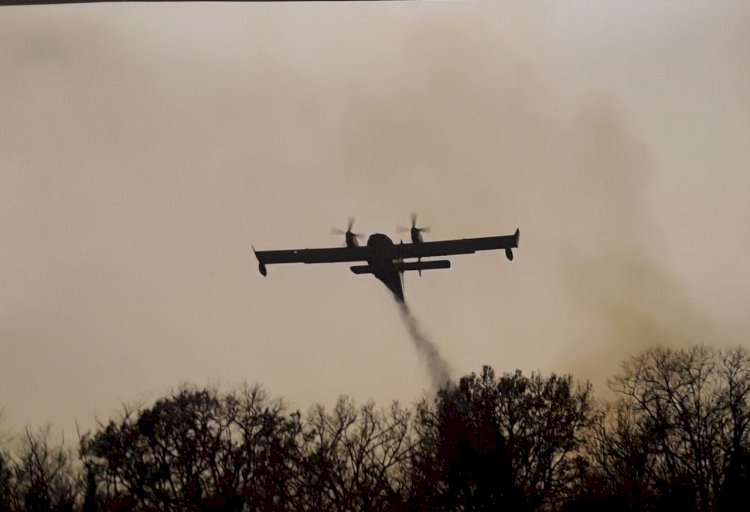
x,y
197,450
679,435
677,438
44,476
617,474
91,500
500,442
355,458
6,484
734,371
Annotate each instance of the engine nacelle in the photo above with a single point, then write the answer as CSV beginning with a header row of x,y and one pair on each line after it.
x,y
262,269
509,254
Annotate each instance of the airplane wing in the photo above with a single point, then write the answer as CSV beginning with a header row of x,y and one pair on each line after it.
x,y
462,246
328,255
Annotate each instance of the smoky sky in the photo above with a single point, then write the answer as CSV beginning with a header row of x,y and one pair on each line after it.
x,y
144,148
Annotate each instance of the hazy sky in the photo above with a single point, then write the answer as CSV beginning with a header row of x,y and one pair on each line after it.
x,y
143,148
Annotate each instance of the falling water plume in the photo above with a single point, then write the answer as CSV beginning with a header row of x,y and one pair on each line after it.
x,y
436,365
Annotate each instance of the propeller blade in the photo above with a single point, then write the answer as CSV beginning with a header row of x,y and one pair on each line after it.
x,y
402,230
401,261
337,231
413,219
426,230
351,223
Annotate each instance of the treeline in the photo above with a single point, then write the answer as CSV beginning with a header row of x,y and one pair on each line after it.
x,y
677,437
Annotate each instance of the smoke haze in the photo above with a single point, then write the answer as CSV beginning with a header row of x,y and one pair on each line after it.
x,y
146,147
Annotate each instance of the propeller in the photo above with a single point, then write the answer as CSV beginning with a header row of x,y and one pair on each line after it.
x,y
401,273
416,234
413,227
350,237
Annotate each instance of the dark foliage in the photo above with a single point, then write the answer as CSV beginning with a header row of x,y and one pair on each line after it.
x,y
676,438
195,450
500,442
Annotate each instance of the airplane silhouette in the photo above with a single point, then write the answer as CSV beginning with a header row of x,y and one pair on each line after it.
x,y
385,259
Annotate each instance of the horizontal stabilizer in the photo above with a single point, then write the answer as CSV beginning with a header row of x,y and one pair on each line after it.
x,y
406,266
422,265
361,269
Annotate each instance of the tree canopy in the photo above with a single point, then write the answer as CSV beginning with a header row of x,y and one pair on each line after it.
x,y
677,436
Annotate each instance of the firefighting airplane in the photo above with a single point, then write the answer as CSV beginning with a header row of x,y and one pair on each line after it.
x,y
385,260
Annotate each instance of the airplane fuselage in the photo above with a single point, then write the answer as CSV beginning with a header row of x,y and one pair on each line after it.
x,y
382,263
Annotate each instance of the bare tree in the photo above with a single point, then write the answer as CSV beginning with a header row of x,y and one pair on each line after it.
x,y
44,475
355,458
679,433
7,487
